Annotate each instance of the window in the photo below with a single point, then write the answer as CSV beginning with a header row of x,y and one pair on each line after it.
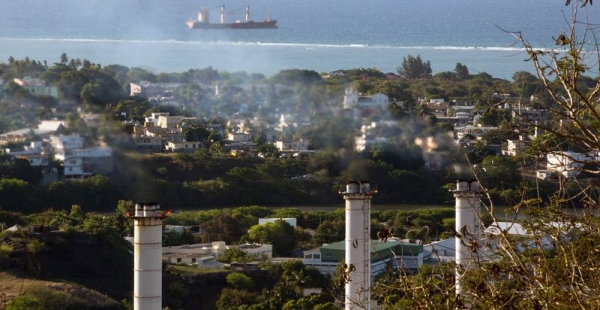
x,y
317,256
179,260
328,255
307,256
193,260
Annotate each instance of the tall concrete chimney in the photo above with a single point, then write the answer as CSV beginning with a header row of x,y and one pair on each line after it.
x,y
147,256
468,225
358,244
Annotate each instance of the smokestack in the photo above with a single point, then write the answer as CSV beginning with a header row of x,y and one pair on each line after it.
x,y
358,244
468,225
147,256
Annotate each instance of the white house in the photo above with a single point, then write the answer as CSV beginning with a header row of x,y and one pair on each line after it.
x,y
183,146
80,163
239,137
300,145
566,163
37,87
191,254
68,142
354,100
169,122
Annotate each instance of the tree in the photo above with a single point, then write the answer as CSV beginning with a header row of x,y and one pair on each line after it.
x,y
63,58
240,281
461,71
279,233
222,227
526,84
15,195
414,68
235,255
93,93
235,299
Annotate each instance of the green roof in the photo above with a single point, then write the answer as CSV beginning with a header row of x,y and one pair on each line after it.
x,y
379,250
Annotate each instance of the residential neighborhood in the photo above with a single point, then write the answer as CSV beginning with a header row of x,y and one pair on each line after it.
x,y
234,174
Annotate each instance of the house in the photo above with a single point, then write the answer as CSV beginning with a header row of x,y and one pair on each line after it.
x,y
147,143
37,87
34,148
183,146
394,253
364,141
67,142
44,128
476,131
515,147
284,146
191,254
566,163
169,122
92,120
529,115
153,118
437,107
460,118
239,137
80,162
149,90
352,99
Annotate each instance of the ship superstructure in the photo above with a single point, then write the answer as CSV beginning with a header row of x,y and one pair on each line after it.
x,y
203,21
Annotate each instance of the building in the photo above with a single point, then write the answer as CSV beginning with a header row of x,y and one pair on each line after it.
x,y
147,143
529,115
394,253
566,163
153,118
476,131
80,162
169,122
149,90
68,142
191,254
46,127
437,107
239,137
515,147
183,146
37,87
352,99
285,146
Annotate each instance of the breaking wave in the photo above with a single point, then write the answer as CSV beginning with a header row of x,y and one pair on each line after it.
x,y
270,44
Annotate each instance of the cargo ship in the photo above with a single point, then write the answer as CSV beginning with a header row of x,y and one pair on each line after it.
x,y
203,22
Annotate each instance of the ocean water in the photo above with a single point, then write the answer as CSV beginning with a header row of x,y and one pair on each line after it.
x,y
321,35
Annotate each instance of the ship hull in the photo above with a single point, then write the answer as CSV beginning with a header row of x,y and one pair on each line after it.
x,y
267,24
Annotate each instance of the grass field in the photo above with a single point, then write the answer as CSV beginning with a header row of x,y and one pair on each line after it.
x,y
12,286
